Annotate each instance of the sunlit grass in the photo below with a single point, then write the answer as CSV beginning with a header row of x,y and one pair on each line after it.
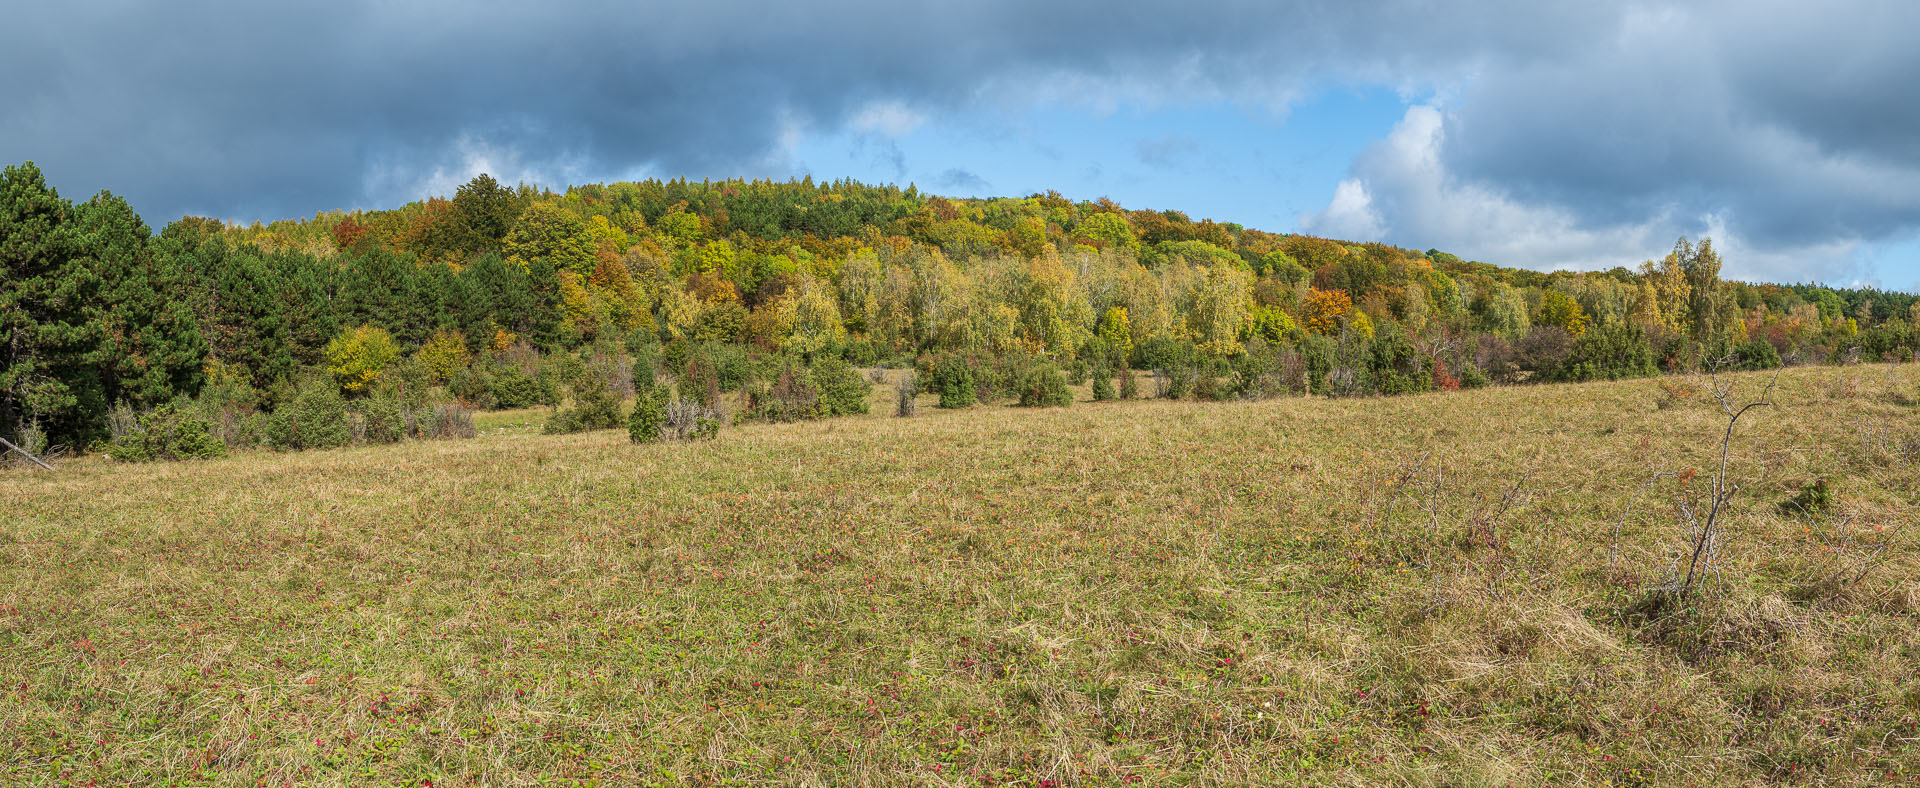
x,y
1130,593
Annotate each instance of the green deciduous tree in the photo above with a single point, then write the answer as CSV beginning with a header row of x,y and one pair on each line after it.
x,y
1109,229
546,233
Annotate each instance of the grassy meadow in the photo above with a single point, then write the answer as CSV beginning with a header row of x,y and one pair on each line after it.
x,y
1444,589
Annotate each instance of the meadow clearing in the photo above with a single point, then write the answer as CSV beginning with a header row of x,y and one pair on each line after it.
x,y
1442,589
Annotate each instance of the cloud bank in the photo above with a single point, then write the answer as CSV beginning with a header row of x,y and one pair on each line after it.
x,y
1774,129
1541,133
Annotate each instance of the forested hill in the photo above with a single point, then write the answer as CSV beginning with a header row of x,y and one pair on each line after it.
x,y
102,311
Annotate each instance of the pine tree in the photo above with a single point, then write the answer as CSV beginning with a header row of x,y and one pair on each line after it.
x,y
49,371
378,288
483,211
152,350
306,284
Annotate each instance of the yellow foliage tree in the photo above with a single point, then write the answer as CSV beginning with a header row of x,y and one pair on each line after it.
x,y
444,354
1117,330
578,304
812,320
1559,309
357,357
1217,310
1362,325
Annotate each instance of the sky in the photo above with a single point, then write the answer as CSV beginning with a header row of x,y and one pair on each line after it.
x,y
1528,133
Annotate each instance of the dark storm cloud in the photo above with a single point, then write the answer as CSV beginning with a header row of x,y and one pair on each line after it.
x,y
255,110
1793,120
1607,124
1781,129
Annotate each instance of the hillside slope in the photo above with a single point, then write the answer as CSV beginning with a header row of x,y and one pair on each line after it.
x,y
1157,592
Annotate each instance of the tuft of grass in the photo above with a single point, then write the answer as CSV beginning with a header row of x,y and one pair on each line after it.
x,y
1414,590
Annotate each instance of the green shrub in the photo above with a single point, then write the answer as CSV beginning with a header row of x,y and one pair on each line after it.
x,y
676,354
379,420
473,386
594,408
1175,382
1207,380
649,414
168,432
232,406
1097,352
406,380
792,397
1395,366
646,360
953,380
1757,354
732,367
1472,377
1814,498
1266,370
443,356
314,418
512,388
557,374
1166,353
843,390
1614,351
357,356
1044,386
700,382
864,352
1102,384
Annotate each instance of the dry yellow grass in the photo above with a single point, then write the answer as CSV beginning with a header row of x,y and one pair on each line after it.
x,y
1131,593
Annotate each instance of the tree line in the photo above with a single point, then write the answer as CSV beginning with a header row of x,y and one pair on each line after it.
x,y
475,295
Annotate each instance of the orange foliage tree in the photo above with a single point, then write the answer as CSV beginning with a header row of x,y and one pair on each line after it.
x,y
1323,310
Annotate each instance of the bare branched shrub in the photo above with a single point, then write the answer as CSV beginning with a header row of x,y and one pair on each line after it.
x,y
614,371
690,420
877,375
1704,518
907,390
32,438
1842,386
1413,520
1847,555
1673,392
1613,548
122,422
1486,534
442,422
1884,443
1342,381
1293,372
1383,538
